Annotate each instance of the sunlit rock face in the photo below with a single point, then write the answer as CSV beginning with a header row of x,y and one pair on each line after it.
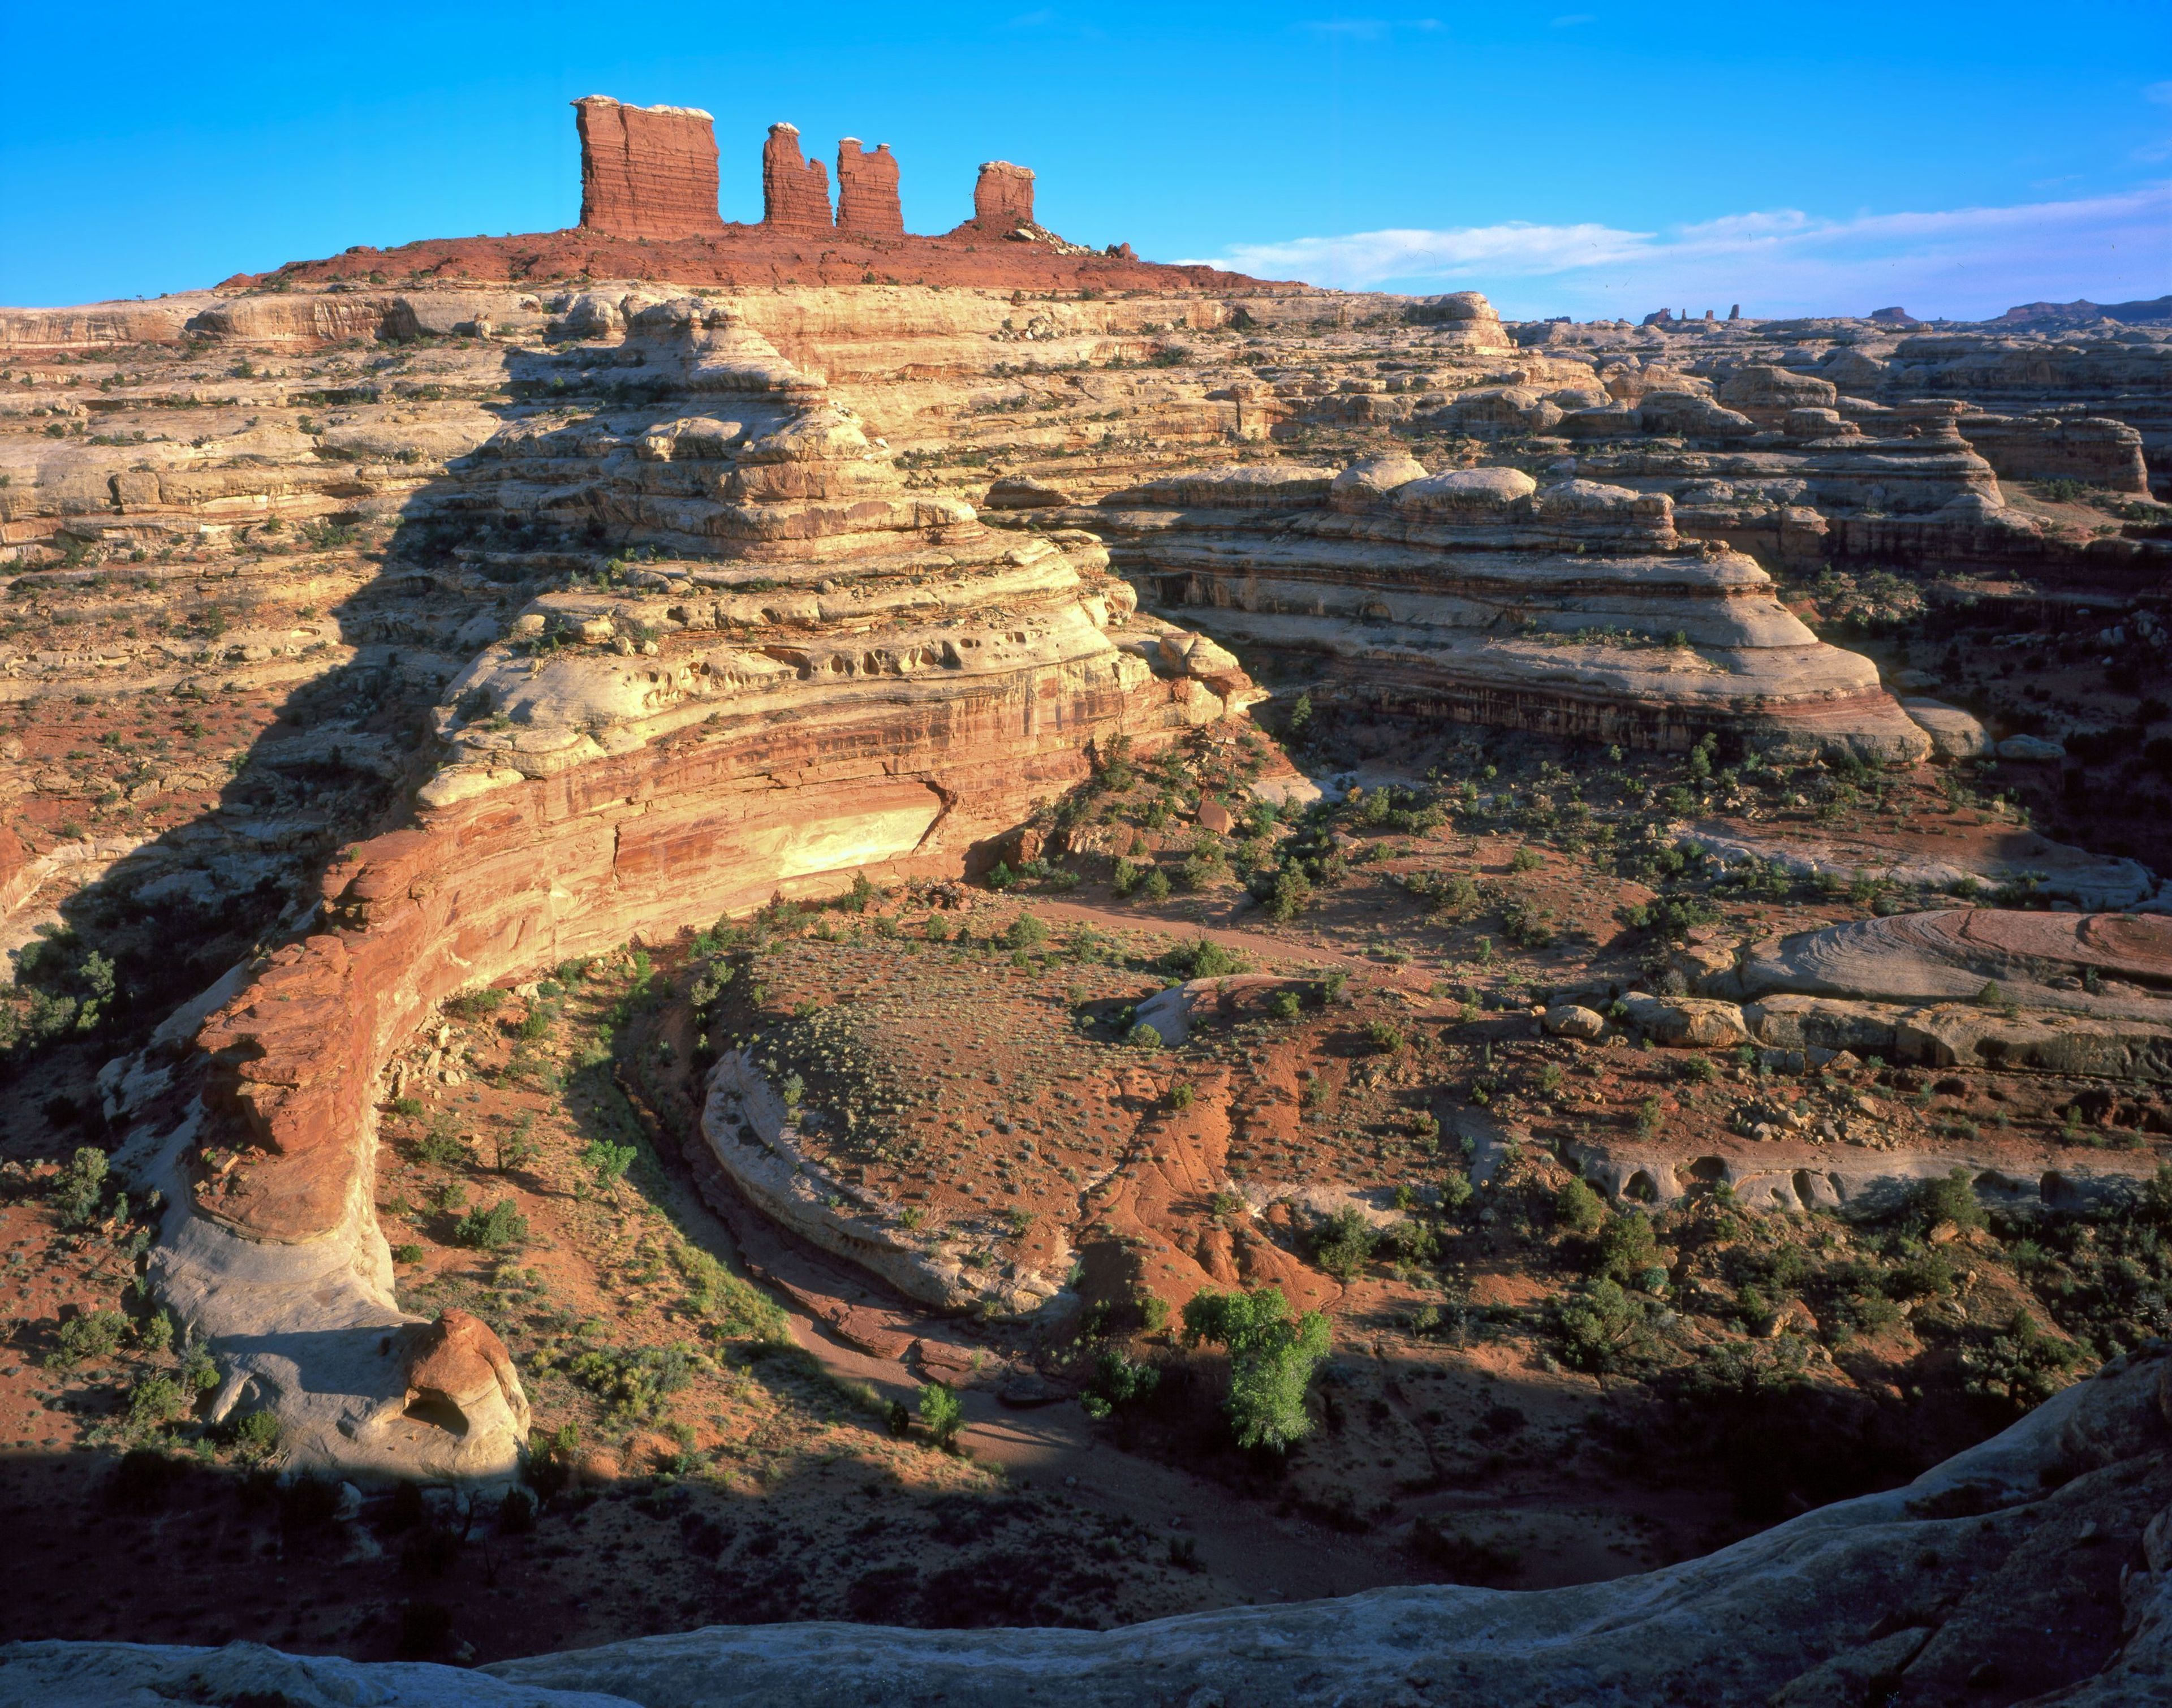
x,y
1481,596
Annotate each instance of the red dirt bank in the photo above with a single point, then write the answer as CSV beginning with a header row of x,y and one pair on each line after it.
x,y
750,255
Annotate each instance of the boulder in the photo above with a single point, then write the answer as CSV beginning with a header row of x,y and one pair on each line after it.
x,y
1573,1020
2031,749
1686,1022
1954,733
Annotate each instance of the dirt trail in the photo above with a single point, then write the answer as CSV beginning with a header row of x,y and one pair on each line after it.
x,y
1248,1553
1268,948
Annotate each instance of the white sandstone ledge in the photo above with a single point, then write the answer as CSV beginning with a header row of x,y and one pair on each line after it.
x,y
1800,1613
756,1140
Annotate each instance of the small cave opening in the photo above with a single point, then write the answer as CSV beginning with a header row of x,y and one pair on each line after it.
x,y
438,1412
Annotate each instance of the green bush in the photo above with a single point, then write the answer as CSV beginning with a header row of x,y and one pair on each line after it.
x,y
942,1413
1579,1209
1285,1005
155,1402
2023,1366
443,1146
498,1229
1025,933
474,1004
90,1336
606,1161
1202,958
256,1433
1119,1380
409,1253
1143,1036
637,1383
1598,1327
1343,1243
1952,1199
1289,896
78,1194
1273,1356
1384,1037
1625,1248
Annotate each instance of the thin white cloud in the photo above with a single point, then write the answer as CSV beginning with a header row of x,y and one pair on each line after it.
x,y
1963,263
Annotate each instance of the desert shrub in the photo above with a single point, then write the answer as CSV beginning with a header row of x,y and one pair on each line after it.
x,y
1579,1209
2022,1366
256,1433
154,1402
474,1004
1598,1327
1119,1380
86,1336
499,1228
637,1381
1181,1096
1384,1037
1526,860
1143,1036
1343,1243
1025,933
1284,1006
1202,958
734,1308
1288,895
1273,1356
1952,1199
1625,1248
442,1146
516,1513
606,1161
942,1413
1412,1241
78,1193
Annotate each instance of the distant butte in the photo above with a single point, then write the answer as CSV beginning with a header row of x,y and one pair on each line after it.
x,y
649,209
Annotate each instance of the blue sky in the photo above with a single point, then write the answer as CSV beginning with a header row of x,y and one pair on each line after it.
x,y
1580,158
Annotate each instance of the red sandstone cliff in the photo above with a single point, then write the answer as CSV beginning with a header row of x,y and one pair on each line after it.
x,y
647,172
795,191
867,190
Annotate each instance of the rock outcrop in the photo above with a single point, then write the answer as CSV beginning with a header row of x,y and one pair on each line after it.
x,y
2037,1566
795,191
852,678
1002,198
647,172
1481,597
867,190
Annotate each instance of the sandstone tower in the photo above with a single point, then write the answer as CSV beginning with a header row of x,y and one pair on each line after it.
x,y
795,191
1002,197
646,171
867,190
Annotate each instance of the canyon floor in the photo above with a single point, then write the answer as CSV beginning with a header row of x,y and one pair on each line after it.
x,y
1172,968
713,1398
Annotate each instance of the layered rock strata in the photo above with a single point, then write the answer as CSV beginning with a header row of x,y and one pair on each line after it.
x,y
1002,198
2078,996
867,190
1479,596
2037,1566
852,678
795,191
647,172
